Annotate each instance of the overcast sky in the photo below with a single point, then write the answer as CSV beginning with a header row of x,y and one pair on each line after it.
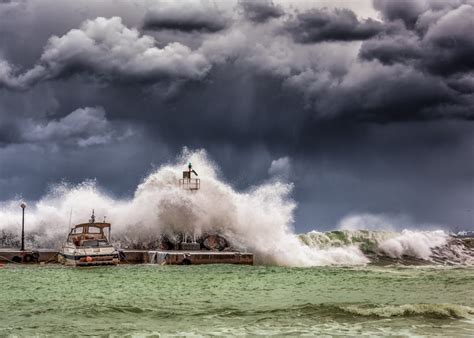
x,y
367,106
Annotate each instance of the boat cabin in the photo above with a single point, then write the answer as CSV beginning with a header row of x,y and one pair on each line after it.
x,y
90,235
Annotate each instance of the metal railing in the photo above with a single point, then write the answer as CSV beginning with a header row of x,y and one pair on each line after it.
x,y
190,183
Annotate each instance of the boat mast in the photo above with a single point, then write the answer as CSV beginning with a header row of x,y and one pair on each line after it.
x,y
92,220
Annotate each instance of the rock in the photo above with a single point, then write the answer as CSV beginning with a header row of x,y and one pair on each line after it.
x,y
166,244
215,242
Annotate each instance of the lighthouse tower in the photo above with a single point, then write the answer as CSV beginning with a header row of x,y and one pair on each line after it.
x,y
188,182
191,184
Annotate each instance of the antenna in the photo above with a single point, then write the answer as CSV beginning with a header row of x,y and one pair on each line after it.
x,y
70,218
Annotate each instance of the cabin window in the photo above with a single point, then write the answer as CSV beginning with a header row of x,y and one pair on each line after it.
x,y
94,230
90,244
95,243
77,230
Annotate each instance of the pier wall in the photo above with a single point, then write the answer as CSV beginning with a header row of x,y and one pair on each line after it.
x,y
137,257
29,256
199,257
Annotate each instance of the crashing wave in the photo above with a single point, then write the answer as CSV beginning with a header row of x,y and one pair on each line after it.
x,y
259,220
411,310
409,246
426,310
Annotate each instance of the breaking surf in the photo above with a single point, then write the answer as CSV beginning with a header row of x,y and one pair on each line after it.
x,y
259,220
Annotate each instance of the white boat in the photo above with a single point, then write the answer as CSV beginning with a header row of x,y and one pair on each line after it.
x,y
88,245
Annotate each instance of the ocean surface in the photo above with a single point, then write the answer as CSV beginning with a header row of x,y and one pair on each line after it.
x,y
142,300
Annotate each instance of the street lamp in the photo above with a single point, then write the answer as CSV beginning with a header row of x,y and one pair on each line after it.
x,y
23,206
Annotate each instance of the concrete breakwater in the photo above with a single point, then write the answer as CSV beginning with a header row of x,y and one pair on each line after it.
x,y
46,256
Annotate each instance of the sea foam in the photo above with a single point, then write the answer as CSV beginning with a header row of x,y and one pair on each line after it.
x,y
259,220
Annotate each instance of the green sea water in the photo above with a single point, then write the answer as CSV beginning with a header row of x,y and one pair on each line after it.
x,y
143,300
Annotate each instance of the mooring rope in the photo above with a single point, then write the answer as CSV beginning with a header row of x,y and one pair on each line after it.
x,y
50,258
122,255
9,260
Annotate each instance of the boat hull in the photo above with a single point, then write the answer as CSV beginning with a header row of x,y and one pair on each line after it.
x,y
88,260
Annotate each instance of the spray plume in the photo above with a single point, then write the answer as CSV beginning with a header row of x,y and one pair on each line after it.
x,y
259,220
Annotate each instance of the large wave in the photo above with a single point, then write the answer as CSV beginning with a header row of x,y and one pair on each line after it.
x,y
406,247
259,220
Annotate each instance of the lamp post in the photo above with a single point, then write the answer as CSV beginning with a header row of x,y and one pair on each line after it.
x,y
23,206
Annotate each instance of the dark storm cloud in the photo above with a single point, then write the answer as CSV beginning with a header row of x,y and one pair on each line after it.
x,y
86,126
404,10
444,47
83,127
108,49
331,25
378,98
363,115
463,84
450,42
261,11
184,16
391,49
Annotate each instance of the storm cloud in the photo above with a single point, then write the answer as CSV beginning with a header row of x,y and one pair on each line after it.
x,y
332,25
365,111
444,45
84,126
261,11
185,16
109,50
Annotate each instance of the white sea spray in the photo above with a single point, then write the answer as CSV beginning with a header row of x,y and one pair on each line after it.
x,y
259,220
414,243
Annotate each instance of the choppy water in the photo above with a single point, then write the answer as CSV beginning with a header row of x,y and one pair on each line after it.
x,y
223,300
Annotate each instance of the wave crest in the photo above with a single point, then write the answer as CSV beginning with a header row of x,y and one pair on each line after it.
x,y
410,310
409,246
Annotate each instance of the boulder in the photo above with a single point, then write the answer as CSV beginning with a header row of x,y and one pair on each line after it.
x,y
215,242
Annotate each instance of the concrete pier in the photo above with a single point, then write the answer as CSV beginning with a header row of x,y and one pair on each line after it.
x,y
137,257
28,256
199,257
